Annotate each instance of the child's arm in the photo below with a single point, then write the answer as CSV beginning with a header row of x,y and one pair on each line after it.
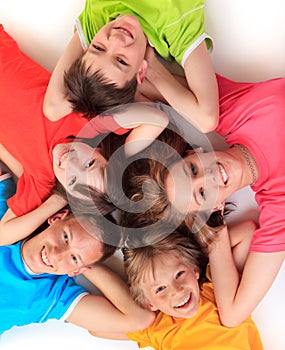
x,y
14,228
10,161
237,296
55,104
113,315
147,123
199,102
240,236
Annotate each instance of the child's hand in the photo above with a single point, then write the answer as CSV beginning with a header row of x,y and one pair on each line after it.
x,y
155,67
221,233
151,57
147,92
58,199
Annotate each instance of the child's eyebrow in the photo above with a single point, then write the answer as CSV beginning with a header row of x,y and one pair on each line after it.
x,y
78,256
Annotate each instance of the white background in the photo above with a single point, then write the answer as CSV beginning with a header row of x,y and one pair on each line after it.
x,y
249,37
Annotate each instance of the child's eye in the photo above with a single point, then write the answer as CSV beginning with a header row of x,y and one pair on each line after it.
x,y
72,181
180,273
98,48
202,193
65,237
159,289
90,163
74,259
193,169
121,61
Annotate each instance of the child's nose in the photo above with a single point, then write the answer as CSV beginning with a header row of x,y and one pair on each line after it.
x,y
176,288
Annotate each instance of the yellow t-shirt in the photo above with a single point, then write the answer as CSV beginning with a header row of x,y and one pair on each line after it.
x,y
203,331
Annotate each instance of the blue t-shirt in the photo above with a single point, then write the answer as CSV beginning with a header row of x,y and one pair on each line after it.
x,y
30,298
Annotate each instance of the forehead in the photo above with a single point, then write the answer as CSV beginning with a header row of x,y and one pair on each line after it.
x,y
178,186
81,228
83,237
156,269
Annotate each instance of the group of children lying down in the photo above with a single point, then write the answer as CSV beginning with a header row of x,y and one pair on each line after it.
x,y
191,288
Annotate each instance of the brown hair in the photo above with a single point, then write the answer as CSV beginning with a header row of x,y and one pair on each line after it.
x,y
90,93
144,185
139,261
104,229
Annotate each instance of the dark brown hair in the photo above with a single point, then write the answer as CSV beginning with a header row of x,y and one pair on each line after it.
x,y
144,185
91,93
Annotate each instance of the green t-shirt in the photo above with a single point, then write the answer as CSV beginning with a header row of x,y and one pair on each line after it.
x,y
173,27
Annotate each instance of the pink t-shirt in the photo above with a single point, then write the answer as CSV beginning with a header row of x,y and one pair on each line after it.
x,y
253,114
24,130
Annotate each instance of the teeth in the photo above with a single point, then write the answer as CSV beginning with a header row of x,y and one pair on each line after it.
x,y
185,301
45,258
223,173
63,157
124,31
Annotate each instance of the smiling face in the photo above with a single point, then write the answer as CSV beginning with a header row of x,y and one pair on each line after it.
x,y
203,181
77,163
172,287
118,51
63,248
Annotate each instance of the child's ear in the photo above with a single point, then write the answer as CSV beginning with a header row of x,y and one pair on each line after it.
x,y
152,308
197,274
142,72
79,271
60,215
220,207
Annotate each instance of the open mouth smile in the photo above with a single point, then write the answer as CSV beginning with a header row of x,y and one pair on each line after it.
x,y
223,173
63,156
184,303
125,31
45,258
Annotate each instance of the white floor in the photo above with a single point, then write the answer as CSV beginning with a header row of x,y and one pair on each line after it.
x,y
249,37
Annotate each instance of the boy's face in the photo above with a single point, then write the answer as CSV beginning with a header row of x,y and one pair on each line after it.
x,y
63,248
118,50
172,287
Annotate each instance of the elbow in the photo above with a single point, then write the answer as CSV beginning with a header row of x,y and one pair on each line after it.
x,y
56,111
148,320
162,120
230,320
211,122
143,322
49,112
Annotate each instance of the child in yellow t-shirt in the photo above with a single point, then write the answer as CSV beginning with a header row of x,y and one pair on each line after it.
x,y
167,277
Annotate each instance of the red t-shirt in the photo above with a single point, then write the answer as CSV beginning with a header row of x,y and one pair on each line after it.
x,y
253,114
24,130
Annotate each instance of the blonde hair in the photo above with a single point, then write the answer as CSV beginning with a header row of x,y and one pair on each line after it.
x,y
139,261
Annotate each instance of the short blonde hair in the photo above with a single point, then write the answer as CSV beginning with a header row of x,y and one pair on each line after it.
x,y
138,261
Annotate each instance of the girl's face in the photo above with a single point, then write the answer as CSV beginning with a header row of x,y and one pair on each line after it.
x,y
203,181
78,163
172,287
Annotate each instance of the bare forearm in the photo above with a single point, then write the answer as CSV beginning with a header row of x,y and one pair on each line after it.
x,y
200,113
117,292
224,273
112,286
197,101
55,104
14,228
147,123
